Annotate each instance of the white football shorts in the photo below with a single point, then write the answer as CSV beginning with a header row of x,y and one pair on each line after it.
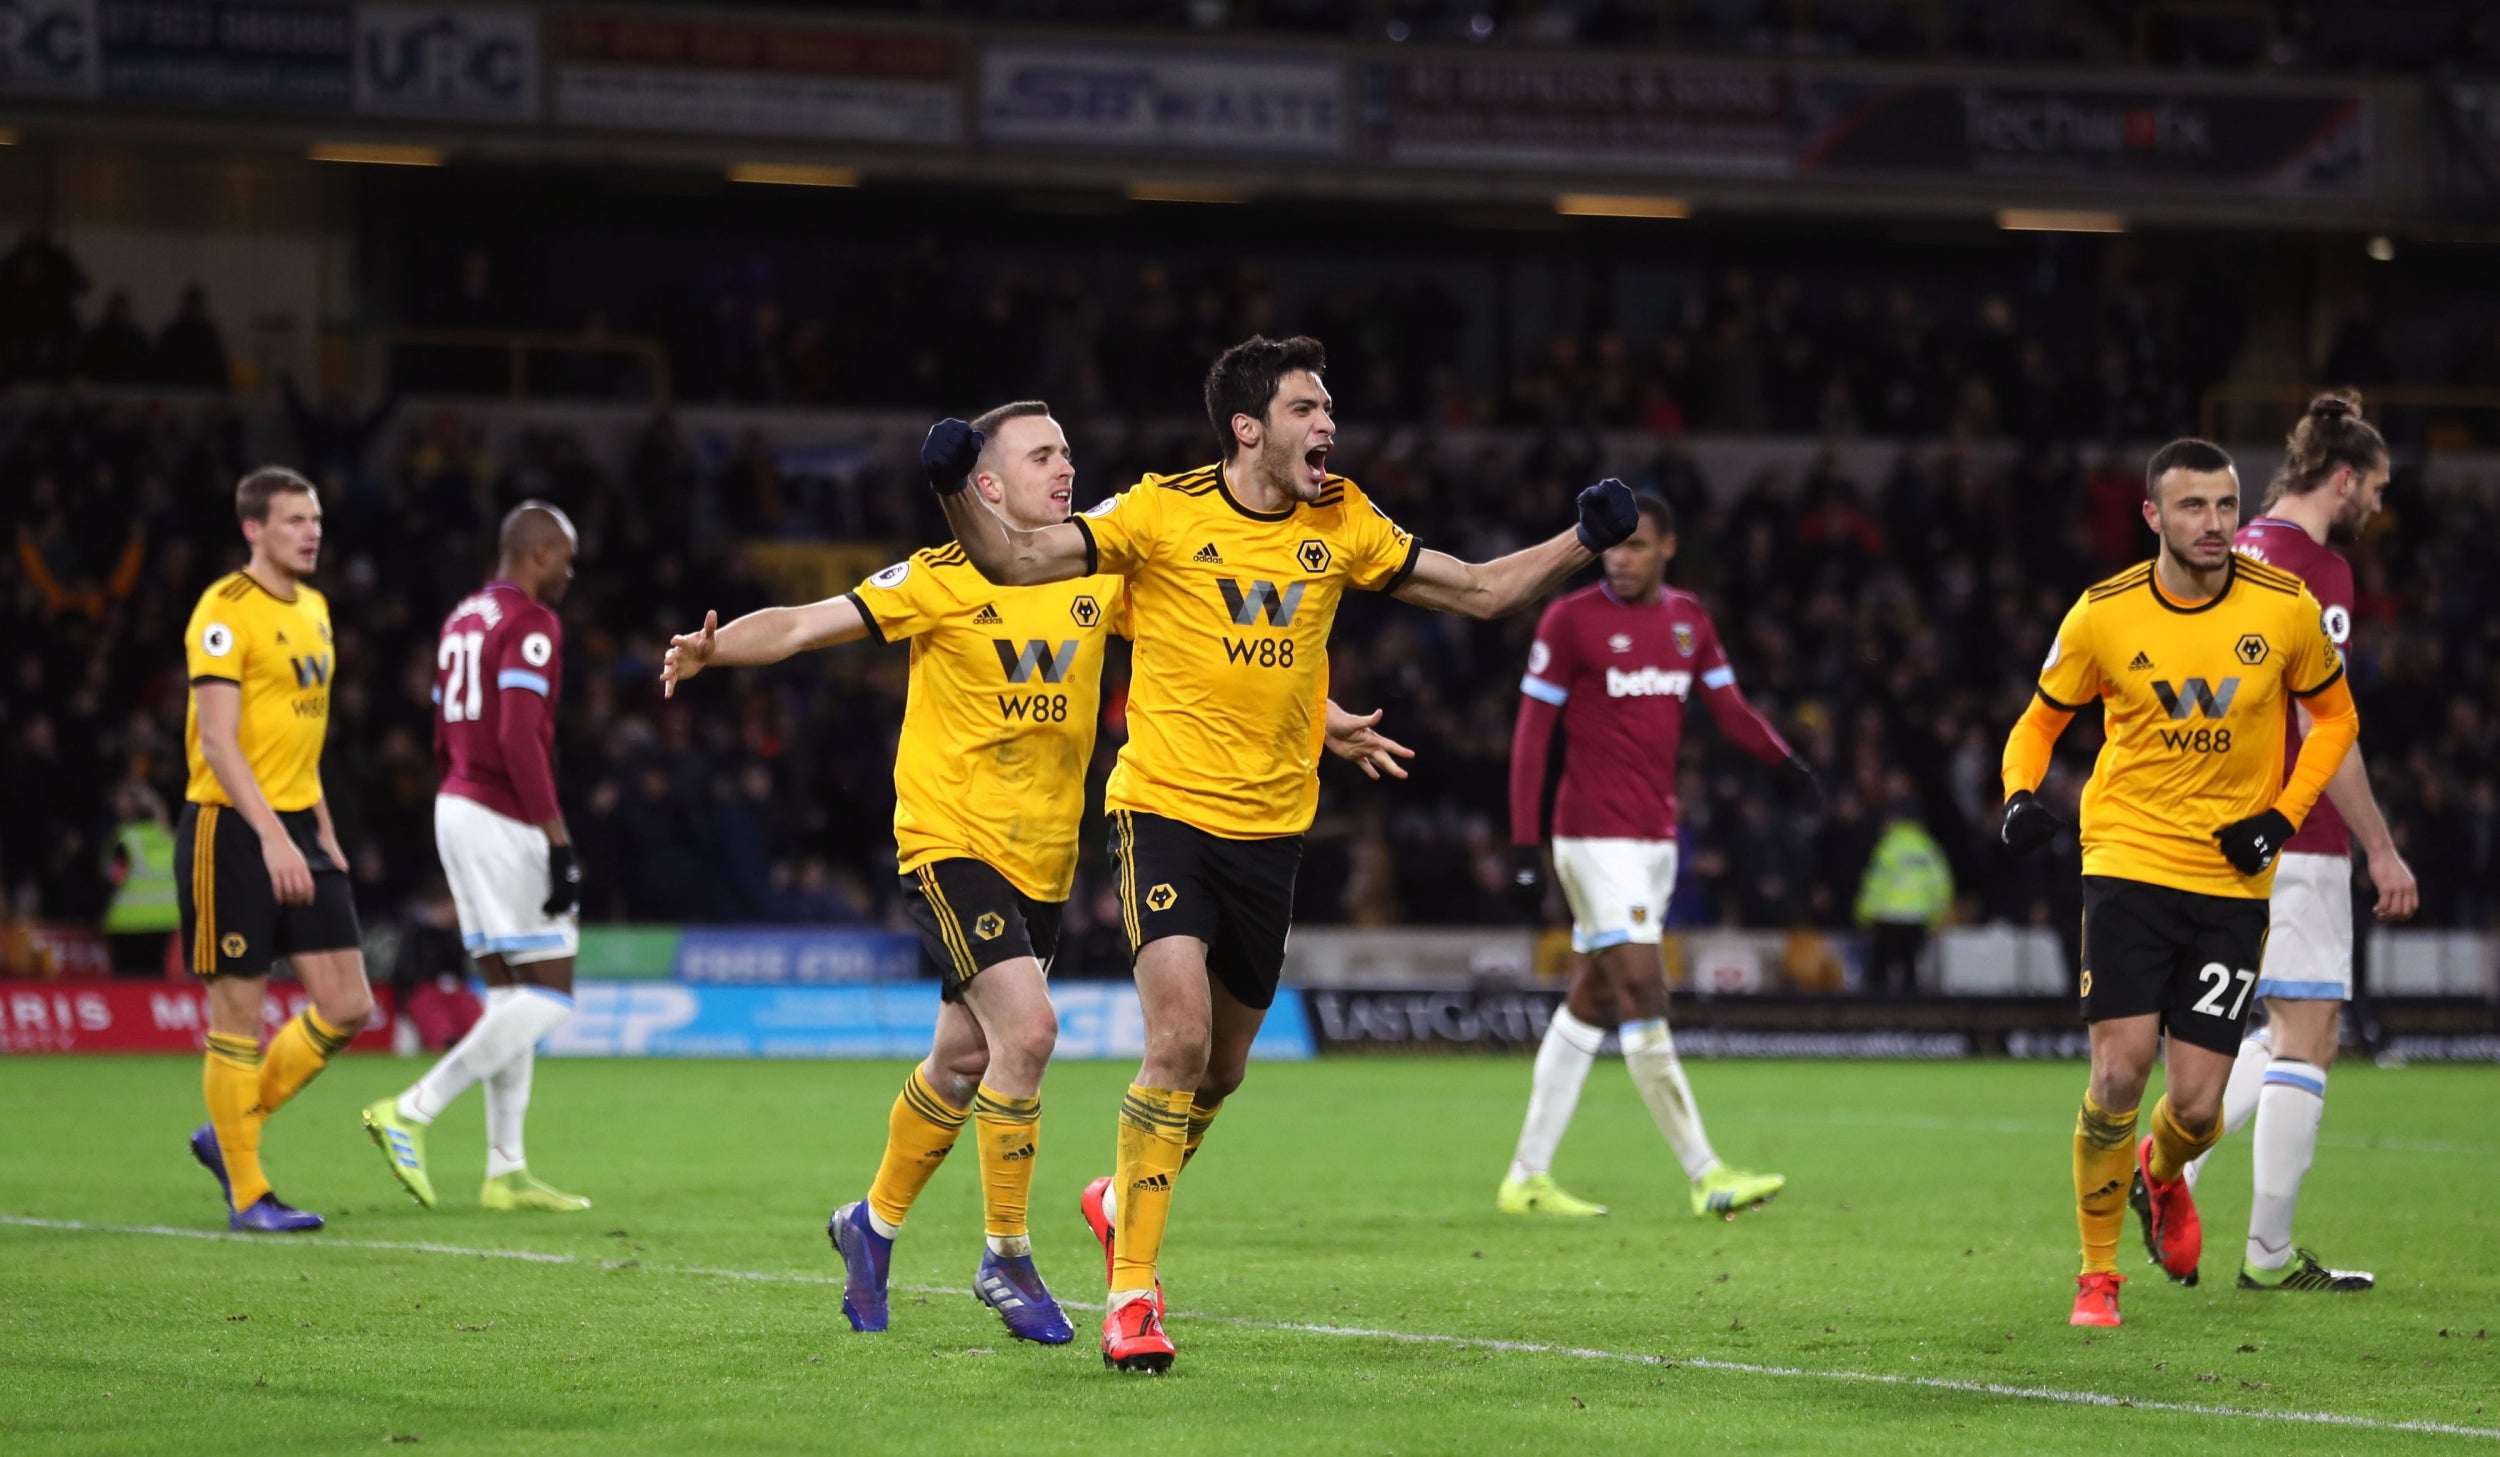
x,y
2309,941
497,867
1618,889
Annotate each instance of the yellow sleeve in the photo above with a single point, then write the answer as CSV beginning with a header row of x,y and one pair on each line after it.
x,y
213,645
2028,747
1123,608
903,601
1383,552
2071,677
1120,533
2335,720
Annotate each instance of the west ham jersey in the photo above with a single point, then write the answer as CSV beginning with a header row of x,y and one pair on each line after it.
x,y
2328,576
1622,675
498,641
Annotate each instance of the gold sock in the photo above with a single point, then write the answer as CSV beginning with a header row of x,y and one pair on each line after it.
x,y
2174,1148
1011,1131
302,1048
2104,1165
918,1134
231,1084
1201,1118
1154,1135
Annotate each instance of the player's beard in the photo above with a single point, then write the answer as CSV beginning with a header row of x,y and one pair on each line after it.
x,y
2345,529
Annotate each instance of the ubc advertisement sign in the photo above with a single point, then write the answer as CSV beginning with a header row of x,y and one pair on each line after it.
x,y
1162,101
447,62
47,48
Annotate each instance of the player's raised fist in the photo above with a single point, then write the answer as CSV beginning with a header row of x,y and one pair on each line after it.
x,y
2028,823
947,455
688,652
1607,514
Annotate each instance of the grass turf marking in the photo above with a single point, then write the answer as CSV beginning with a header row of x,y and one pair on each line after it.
x,y
1413,1338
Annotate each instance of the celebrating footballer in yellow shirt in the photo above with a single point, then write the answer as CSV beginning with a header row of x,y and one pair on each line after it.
x,y
1234,570
2197,657
989,787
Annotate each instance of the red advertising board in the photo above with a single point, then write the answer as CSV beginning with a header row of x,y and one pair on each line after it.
x,y
140,1016
1640,117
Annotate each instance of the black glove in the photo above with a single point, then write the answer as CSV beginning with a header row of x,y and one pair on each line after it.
x,y
2251,844
2028,823
1527,878
1607,514
1812,782
564,881
947,455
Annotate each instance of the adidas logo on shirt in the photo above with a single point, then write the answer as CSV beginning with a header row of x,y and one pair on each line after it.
x,y
987,615
1208,553
2142,664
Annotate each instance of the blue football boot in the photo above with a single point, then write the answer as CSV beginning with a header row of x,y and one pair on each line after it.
x,y
271,1215
865,1255
1011,1286
212,1158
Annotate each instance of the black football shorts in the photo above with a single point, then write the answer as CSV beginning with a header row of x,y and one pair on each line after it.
x,y
232,924
971,918
2193,959
1234,895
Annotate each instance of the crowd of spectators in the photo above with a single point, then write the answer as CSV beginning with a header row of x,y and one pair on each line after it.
x,y
43,338
1887,623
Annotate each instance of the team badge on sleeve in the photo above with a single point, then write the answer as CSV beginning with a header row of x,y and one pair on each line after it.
x,y
892,576
1103,507
536,649
217,640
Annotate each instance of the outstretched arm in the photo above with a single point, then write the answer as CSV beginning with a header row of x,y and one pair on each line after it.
x,y
1737,718
1504,585
1006,555
765,636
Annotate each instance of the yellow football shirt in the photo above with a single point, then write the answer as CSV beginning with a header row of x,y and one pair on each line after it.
x,y
1006,688
2194,702
1228,693
278,652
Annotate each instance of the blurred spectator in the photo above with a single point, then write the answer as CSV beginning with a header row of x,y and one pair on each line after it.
x,y
191,353
116,351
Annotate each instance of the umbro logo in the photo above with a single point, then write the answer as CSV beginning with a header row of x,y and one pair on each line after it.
x,y
2142,664
988,615
1153,1184
1209,554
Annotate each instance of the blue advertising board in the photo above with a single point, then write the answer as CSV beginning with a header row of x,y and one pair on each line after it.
x,y
761,956
237,53
1097,1020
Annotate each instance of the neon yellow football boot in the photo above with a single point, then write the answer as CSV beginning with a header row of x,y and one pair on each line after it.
x,y
1725,1191
1539,1194
522,1189
403,1147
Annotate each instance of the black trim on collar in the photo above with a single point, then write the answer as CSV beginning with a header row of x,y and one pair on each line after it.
x,y
1223,483
2230,576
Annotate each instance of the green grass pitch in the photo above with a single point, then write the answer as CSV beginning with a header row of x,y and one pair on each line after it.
x,y
1923,1253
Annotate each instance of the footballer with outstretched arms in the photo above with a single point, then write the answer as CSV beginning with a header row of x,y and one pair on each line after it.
x,y
2333,475
1613,666
1234,571
256,858
499,673
989,780
2197,657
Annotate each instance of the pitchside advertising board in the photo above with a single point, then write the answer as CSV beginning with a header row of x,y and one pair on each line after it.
x,y
1154,100
128,1016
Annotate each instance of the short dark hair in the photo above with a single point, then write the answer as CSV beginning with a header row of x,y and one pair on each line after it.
x,y
1243,378
1655,507
254,492
988,421
2186,453
2331,434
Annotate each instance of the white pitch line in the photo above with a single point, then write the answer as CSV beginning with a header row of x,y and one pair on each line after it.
x,y
1411,1338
